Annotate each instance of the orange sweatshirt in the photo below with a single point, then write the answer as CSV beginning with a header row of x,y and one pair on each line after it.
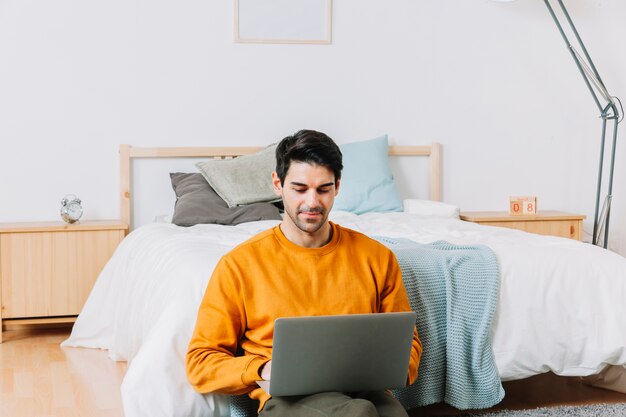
x,y
268,277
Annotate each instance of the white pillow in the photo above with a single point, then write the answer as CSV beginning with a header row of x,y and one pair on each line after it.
x,y
430,208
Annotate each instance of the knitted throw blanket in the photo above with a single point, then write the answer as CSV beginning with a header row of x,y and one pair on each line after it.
x,y
454,290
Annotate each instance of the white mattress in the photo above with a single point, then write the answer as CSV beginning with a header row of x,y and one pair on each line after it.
x,y
561,304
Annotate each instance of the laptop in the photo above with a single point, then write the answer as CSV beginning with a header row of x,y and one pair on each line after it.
x,y
345,353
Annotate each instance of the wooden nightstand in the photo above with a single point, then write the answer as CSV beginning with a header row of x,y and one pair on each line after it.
x,y
47,269
547,222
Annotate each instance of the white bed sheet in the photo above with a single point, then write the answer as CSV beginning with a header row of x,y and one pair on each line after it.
x,y
561,304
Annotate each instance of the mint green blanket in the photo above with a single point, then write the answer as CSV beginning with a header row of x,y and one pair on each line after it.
x,y
454,290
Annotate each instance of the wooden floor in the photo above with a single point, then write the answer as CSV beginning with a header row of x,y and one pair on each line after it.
x,y
38,378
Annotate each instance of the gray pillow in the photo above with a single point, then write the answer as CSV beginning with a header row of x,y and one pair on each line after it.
x,y
243,180
198,203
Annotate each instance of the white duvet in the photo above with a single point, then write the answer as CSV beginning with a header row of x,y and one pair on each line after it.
x,y
561,304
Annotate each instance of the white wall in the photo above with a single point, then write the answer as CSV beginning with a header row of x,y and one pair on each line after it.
x,y
491,81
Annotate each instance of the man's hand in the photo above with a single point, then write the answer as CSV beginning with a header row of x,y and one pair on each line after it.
x,y
266,371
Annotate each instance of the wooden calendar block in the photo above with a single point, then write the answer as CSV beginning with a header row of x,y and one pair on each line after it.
x,y
530,206
515,207
523,206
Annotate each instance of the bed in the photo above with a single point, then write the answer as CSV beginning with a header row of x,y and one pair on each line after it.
x,y
559,306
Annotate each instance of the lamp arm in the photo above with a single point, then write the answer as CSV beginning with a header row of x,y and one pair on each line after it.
x,y
609,197
589,72
607,112
597,83
601,219
580,41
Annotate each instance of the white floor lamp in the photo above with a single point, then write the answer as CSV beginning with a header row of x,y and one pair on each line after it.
x,y
608,108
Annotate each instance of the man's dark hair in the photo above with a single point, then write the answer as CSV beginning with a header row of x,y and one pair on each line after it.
x,y
311,147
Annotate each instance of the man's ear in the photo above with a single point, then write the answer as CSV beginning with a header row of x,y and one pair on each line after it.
x,y
337,184
278,189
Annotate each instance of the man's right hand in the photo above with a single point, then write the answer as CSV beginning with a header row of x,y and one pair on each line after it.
x,y
266,371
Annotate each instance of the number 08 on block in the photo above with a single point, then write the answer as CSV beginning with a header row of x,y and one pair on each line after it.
x,y
523,206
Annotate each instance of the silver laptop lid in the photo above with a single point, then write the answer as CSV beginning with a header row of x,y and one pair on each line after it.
x,y
346,353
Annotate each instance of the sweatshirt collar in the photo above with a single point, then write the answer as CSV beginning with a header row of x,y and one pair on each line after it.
x,y
329,247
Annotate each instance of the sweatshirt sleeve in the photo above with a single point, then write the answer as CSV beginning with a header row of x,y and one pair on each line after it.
x,y
394,298
211,361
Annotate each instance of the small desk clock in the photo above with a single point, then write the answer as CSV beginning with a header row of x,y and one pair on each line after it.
x,y
71,210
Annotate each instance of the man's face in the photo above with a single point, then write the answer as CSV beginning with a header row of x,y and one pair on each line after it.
x,y
308,195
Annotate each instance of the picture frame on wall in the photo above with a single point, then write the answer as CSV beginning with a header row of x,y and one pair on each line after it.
x,y
283,21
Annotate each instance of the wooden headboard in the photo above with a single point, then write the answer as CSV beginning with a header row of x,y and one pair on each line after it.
x,y
128,153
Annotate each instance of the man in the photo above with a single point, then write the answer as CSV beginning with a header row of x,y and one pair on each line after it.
x,y
307,265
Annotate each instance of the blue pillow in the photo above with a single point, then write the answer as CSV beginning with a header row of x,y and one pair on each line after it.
x,y
366,180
